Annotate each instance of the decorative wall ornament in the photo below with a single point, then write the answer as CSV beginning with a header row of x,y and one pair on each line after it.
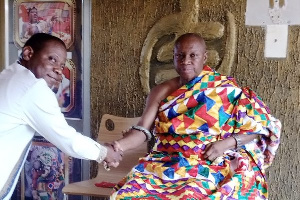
x,y
157,52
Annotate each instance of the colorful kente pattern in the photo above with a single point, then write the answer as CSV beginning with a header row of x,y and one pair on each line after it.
x,y
209,108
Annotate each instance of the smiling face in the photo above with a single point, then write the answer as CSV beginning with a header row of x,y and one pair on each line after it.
x,y
47,63
189,57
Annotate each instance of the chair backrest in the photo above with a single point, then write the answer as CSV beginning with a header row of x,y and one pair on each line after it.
x,y
111,128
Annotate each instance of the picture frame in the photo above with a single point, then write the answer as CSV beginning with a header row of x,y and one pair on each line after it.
x,y
66,91
46,171
54,17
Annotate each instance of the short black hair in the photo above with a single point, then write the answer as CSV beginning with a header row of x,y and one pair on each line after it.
x,y
38,41
29,9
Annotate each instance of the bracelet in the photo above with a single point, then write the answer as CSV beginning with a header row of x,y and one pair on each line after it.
x,y
238,141
144,130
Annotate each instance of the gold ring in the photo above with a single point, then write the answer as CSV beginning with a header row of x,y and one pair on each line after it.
x,y
105,165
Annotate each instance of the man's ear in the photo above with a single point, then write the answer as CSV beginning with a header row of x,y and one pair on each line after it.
x,y
27,53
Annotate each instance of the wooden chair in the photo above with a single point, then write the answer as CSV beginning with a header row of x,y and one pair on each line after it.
x,y
111,128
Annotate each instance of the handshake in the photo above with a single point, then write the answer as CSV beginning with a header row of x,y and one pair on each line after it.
x,y
114,155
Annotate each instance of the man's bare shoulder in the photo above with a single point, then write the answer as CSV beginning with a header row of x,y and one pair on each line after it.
x,y
164,89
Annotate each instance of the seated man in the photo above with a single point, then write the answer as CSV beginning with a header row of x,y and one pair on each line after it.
x,y
213,139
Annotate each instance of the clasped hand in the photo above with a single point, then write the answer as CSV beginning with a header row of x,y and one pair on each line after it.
x,y
114,155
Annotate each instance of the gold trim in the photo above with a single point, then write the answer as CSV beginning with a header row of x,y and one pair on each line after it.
x,y
71,66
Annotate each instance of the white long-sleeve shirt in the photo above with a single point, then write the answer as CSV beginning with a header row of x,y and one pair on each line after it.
x,y
28,105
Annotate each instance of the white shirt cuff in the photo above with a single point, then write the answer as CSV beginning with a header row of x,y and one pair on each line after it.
x,y
102,153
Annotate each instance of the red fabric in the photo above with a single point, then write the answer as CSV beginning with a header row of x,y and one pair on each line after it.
x,y
104,184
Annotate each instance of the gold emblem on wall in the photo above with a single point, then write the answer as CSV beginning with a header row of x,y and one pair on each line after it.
x,y
157,52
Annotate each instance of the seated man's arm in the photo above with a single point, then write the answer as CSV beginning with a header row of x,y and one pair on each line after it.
x,y
133,138
217,148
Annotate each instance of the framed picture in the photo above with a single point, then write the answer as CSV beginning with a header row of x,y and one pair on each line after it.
x,y
66,91
46,171
54,17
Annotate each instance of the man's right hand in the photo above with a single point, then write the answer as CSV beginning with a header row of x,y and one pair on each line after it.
x,y
113,157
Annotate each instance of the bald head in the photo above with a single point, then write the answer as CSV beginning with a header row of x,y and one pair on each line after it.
x,y
189,56
189,36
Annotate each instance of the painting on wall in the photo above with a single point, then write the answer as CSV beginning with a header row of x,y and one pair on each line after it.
x,y
66,92
46,171
54,17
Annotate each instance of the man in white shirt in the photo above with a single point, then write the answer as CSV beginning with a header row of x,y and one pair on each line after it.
x,y
28,105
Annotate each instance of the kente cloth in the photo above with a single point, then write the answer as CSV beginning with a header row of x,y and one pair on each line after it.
x,y
209,108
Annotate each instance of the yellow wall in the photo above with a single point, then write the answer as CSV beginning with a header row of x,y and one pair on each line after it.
x,y
119,29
